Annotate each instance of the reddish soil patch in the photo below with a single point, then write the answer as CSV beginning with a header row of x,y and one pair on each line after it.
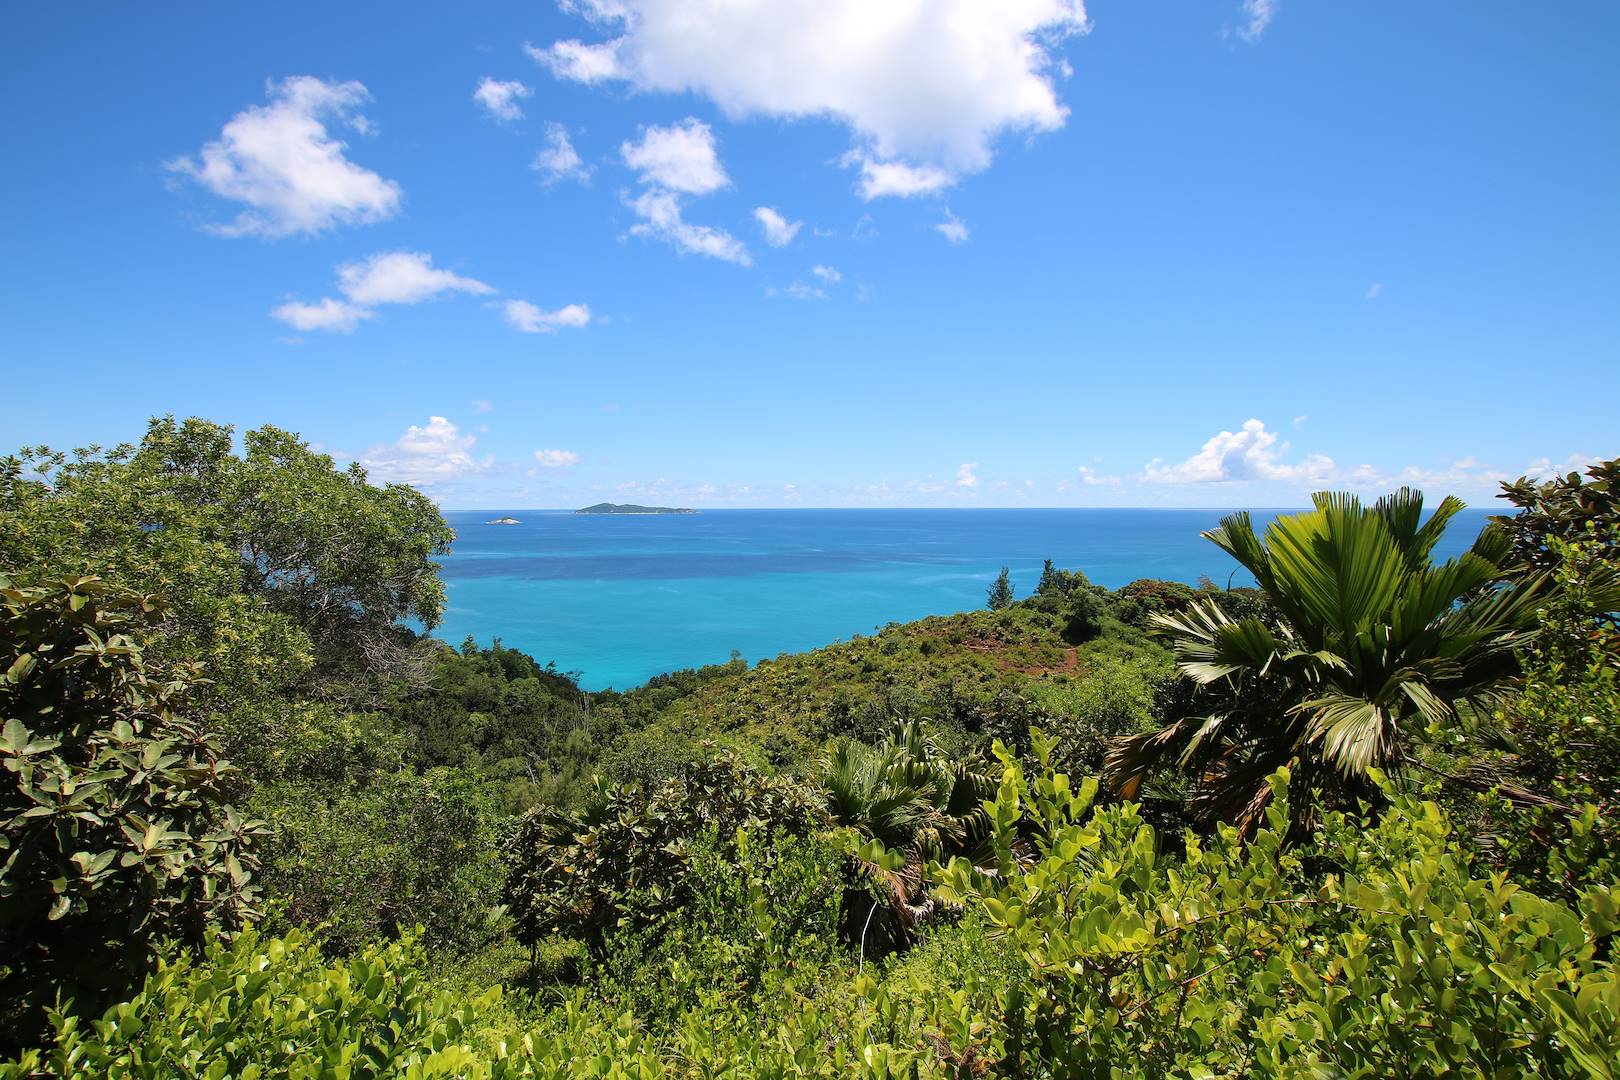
x,y
1071,664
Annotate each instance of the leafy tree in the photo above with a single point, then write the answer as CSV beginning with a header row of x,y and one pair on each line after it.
x,y
275,563
1373,643
113,823
1143,598
1565,508
1070,595
1001,591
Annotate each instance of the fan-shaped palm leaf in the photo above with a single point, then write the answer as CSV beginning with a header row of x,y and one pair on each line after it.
x,y
1374,642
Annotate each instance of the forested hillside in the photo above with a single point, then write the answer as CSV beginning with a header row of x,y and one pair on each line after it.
x,y
1360,820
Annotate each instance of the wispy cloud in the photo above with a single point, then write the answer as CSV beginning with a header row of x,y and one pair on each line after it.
x,y
952,228
662,219
680,160
557,160
779,231
531,319
500,99
555,459
1257,15
390,277
401,277
324,314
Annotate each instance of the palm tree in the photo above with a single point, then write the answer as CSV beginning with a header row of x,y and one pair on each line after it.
x,y
1372,640
909,796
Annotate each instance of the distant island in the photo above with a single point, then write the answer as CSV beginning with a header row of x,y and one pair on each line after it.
x,y
504,521
632,508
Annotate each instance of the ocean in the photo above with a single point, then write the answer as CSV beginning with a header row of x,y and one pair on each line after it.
x,y
620,599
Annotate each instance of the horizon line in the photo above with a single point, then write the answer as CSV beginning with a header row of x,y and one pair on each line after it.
x,y
968,509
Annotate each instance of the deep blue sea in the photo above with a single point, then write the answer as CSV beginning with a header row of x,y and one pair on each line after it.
x,y
620,599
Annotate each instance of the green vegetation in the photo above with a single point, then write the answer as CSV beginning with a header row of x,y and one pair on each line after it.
x,y
1370,641
632,508
1360,821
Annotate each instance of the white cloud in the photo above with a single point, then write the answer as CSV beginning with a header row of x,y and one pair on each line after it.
x,y
401,277
677,159
660,212
425,456
556,459
280,160
1257,15
1374,289
577,61
1545,469
779,231
1250,453
1092,478
390,277
1301,418
896,178
522,315
965,476
799,291
680,157
483,405
926,84
558,160
501,98
327,314
953,228
828,274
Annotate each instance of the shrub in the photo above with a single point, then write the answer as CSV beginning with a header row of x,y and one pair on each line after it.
x,y
757,931
259,1008
1238,961
1114,698
404,850
113,823
273,1007
624,859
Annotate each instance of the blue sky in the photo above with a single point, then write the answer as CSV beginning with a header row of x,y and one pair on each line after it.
x,y
1194,254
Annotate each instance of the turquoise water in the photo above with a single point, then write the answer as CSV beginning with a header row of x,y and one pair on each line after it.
x,y
620,599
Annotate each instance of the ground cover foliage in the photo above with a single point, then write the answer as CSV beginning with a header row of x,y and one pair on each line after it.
x,y
1357,822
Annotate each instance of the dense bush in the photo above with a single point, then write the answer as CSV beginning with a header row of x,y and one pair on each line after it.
x,y
274,1007
368,862
1543,771
260,1008
1111,700
1242,959
113,822
755,933
623,860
